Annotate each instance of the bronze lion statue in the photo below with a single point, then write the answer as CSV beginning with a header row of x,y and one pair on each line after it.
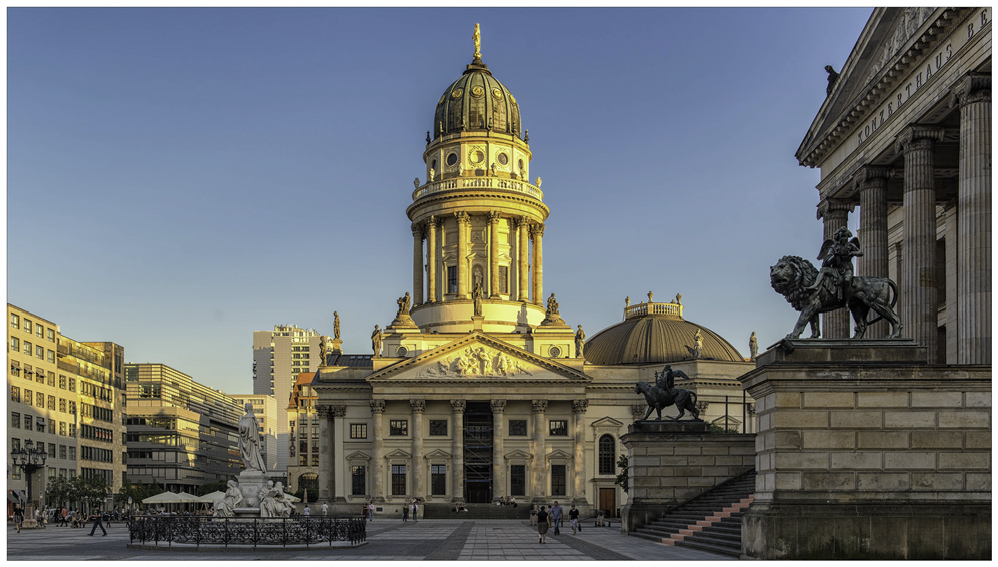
x,y
792,276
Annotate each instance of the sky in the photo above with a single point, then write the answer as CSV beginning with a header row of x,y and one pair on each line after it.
x,y
178,178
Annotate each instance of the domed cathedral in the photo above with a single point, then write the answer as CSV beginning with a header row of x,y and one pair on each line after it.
x,y
478,391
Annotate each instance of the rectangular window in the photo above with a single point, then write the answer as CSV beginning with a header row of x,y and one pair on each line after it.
x,y
40,352
518,428
51,405
27,421
451,279
51,335
62,451
438,427
72,384
518,480
40,400
398,480
15,420
315,460
398,427
51,379
15,321
559,427
62,428
27,348
303,460
50,355
438,480
15,394
72,407
358,431
359,476
72,457
28,397
503,279
72,430
27,327
15,344
40,424
40,331
52,427
557,480
62,405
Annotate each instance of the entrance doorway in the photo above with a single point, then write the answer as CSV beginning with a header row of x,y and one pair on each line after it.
x,y
478,452
608,501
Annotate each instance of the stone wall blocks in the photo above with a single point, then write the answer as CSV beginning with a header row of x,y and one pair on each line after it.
x,y
787,400
882,400
798,461
674,460
787,481
882,440
704,482
733,460
636,461
980,482
721,450
645,482
829,399
688,471
787,440
744,448
701,461
829,481
936,399
909,460
936,481
978,439
800,419
815,439
965,419
857,460
881,481
965,461
978,399
910,419
936,439
856,419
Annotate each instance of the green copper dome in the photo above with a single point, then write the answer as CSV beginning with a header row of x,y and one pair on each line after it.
x,y
476,102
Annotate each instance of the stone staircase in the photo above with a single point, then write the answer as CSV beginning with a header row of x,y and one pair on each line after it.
x,y
710,522
475,512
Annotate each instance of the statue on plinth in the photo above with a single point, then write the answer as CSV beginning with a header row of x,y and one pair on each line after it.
x,y
336,325
225,508
376,342
697,350
322,351
753,345
664,394
249,441
404,303
580,341
476,295
274,502
552,306
812,292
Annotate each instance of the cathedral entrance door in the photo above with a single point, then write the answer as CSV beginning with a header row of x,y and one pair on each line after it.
x,y
478,452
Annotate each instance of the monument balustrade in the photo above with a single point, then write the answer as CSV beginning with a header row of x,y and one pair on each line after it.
x,y
330,531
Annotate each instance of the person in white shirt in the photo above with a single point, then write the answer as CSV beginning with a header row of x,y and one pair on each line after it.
x,y
325,508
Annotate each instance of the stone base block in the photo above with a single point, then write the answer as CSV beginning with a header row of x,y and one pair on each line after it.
x,y
670,426
250,484
805,351
871,530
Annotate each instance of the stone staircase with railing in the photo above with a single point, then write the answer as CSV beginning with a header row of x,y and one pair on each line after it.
x,y
710,522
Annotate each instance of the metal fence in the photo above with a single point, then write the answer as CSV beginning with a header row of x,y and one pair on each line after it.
x,y
204,530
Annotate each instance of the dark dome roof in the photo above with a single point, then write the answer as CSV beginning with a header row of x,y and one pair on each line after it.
x,y
477,101
655,338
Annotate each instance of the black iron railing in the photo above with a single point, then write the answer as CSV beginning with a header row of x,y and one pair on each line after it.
x,y
206,530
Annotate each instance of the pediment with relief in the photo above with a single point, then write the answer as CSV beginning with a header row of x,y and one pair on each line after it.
x,y
476,361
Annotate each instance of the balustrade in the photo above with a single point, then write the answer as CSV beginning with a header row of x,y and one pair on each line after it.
x,y
478,183
642,309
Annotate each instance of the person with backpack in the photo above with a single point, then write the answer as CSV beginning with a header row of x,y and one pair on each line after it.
x,y
542,525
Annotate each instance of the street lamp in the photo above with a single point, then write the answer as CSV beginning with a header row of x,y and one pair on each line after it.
x,y
29,460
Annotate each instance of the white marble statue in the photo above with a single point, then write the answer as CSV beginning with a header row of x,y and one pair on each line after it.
x,y
249,441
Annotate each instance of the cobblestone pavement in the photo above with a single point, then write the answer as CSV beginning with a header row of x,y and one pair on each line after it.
x,y
468,540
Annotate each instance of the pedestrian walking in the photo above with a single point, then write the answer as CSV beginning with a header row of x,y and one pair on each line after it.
x,y
370,512
542,525
97,517
415,512
18,517
325,508
405,513
556,513
62,517
573,518
307,509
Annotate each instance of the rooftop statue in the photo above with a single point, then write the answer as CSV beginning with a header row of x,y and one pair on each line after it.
x,y
753,345
322,351
404,302
832,77
552,307
478,42
336,325
812,292
249,441
476,295
580,342
376,341
663,394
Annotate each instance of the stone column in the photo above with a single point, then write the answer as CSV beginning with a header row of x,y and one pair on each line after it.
x,y
973,94
538,490
579,412
919,301
463,220
498,459
537,231
326,472
417,264
457,449
431,260
494,254
834,324
338,466
378,413
418,485
872,183
523,270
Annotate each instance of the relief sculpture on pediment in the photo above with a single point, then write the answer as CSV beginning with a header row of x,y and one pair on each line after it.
x,y
908,24
476,362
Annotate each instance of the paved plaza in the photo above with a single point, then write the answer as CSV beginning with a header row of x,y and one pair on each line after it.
x,y
469,540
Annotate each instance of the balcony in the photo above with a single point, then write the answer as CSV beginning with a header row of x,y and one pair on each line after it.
x,y
463,183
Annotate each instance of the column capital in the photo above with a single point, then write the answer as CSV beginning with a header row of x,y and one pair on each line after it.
x,y
432,221
498,406
538,406
973,87
417,406
494,217
827,207
917,137
457,406
462,217
580,406
339,411
537,229
324,411
523,221
417,230
871,173
377,406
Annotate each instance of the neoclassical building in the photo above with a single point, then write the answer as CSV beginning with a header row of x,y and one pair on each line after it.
x,y
478,389
905,134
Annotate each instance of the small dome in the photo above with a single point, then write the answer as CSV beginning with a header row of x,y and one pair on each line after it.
x,y
477,101
647,337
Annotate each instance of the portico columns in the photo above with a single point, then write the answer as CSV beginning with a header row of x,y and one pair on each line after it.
x,y
326,481
537,231
579,412
919,303
337,466
872,182
463,220
498,464
417,407
834,324
523,271
431,260
538,489
417,264
494,255
457,448
378,413
973,93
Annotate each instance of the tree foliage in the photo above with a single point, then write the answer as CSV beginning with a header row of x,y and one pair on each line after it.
x,y
92,489
209,487
621,479
61,491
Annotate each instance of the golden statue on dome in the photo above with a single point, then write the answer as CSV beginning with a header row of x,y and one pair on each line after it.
x,y
478,43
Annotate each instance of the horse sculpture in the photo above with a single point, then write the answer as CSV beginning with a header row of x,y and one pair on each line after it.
x,y
659,399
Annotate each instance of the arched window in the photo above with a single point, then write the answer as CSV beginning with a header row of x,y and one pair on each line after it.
x,y
606,454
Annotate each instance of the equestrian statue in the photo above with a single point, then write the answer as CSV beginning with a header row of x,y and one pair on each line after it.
x,y
664,394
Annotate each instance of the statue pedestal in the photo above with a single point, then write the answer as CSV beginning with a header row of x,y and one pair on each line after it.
x,y
250,484
477,321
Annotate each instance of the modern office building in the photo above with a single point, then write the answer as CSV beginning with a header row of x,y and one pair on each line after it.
x,y
279,356
265,410
181,433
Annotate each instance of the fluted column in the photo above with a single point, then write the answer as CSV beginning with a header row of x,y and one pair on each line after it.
x,y
973,94
378,413
538,489
326,474
579,408
417,264
537,231
339,460
498,464
457,449
834,324
418,485
463,220
494,254
431,260
872,182
524,264
919,301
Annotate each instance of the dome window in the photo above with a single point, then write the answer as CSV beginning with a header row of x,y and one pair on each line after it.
x,y
451,159
503,159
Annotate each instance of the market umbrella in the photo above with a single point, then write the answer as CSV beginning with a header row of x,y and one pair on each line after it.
x,y
212,497
163,498
185,498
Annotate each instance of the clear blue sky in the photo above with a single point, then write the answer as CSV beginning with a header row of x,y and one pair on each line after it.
x,y
180,178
